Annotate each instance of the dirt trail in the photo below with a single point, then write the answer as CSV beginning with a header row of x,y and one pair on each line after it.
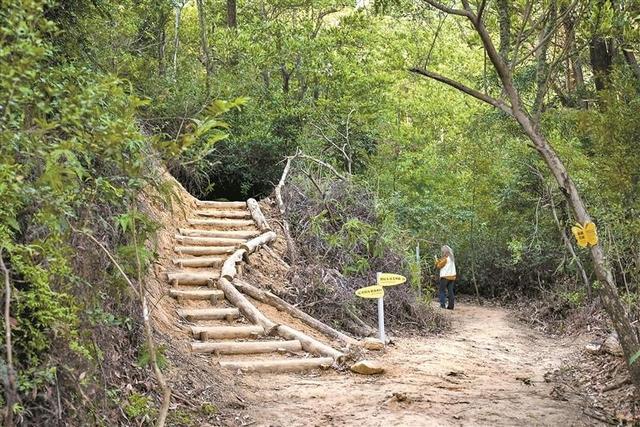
x,y
487,370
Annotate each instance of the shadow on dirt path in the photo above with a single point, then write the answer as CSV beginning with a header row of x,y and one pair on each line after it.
x,y
487,370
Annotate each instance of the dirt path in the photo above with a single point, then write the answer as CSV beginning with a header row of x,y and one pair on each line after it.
x,y
488,370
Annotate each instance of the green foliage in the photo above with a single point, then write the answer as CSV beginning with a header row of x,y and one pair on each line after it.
x,y
139,406
144,357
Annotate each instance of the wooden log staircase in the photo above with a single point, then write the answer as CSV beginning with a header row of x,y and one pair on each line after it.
x,y
222,321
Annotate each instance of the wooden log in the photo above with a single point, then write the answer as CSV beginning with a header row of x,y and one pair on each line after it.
x,y
221,205
285,365
228,270
222,223
224,214
224,332
208,313
187,278
280,304
209,261
225,234
200,294
309,344
209,241
291,247
248,310
203,250
246,347
256,242
256,214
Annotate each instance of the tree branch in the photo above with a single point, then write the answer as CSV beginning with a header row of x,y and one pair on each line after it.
x,y
449,10
465,89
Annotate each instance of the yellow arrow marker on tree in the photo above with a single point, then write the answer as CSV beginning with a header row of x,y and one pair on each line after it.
x,y
374,291
390,279
586,235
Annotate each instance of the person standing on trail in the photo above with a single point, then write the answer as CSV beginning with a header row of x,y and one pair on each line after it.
x,y
447,265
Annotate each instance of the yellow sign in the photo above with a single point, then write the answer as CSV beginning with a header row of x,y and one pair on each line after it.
x,y
586,234
374,291
390,279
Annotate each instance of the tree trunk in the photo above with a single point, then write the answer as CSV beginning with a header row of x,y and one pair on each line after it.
x,y
10,390
232,14
204,45
504,18
176,39
630,57
608,291
567,243
162,44
601,54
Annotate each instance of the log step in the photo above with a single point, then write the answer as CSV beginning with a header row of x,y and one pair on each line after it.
x,y
193,314
246,347
224,214
203,250
221,205
186,278
222,223
286,365
209,241
210,261
225,234
226,332
206,294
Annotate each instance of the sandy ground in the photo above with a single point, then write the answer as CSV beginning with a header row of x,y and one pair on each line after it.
x,y
487,370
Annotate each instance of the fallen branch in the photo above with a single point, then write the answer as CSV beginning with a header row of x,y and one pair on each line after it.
x,y
282,305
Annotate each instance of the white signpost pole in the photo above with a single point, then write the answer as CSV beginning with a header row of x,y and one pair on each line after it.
x,y
380,313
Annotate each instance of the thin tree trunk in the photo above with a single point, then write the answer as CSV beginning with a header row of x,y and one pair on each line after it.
x,y
11,394
232,14
601,54
608,290
176,39
291,247
569,246
504,19
630,57
204,44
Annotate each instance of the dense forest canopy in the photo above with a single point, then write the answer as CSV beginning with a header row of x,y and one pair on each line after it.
x,y
94,93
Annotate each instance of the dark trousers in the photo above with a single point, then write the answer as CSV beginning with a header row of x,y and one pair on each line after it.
x,y
445,288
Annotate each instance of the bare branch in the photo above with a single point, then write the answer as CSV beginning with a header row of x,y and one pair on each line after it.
x,y
449,10
469,91
326,165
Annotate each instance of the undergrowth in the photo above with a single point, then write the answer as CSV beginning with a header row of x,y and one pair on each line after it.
x,y
344,238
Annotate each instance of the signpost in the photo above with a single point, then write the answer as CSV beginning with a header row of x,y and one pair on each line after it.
x,y
377,291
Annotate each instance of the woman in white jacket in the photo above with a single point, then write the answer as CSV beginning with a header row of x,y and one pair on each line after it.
x,y
447,265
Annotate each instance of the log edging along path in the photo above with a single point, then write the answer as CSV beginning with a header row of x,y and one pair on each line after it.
x,y
228,274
